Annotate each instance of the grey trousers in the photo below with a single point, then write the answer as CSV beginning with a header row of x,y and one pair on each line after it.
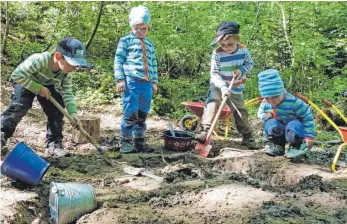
x,y
214,99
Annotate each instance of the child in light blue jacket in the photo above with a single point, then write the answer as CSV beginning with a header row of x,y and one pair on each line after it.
x,y
135,71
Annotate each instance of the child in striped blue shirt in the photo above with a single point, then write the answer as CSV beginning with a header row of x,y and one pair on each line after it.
x,y
135,71
229,60
286,118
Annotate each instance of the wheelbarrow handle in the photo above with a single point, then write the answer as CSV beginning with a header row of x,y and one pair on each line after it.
x,y
330,104
327,102
332,123
303,98
61,109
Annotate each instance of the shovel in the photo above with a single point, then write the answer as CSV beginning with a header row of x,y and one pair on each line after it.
x,y
91,140
203,149
172,132
141,171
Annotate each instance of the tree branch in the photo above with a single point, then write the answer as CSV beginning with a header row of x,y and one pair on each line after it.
x,y
96,25
6,29
286,35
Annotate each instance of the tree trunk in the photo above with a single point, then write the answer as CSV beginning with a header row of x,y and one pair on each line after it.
x,y
91,125
286,36
96,26
6,29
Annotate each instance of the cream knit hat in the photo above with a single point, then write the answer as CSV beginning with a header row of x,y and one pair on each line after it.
x,y
139,14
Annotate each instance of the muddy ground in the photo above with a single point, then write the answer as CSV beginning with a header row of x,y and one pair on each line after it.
x,y
234,185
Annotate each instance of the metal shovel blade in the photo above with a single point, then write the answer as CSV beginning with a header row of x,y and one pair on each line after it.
x,y
203,149
141,171
133,170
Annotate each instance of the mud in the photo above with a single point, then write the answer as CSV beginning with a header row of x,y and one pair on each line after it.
x,y
233,185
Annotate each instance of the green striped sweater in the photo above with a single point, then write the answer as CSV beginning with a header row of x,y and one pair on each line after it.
x,y
35,72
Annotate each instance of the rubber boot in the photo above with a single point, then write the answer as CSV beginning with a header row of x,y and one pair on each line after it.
x,y
142,146
249,142
4,148
274,150
127,146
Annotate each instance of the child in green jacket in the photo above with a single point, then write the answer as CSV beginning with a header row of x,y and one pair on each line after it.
x,y
43,75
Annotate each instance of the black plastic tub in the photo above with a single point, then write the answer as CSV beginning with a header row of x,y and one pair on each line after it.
x,y
184,141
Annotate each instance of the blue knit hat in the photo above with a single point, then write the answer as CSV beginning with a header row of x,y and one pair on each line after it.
x,y
139,14
270,83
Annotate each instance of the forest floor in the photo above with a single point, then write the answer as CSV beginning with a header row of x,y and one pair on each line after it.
x,y
234,185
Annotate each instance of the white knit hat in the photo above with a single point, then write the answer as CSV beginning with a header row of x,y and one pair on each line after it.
x,y
139,14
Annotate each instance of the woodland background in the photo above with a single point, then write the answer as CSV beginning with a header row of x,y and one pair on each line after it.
x,y
305,41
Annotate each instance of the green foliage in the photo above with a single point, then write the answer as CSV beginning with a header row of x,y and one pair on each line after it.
x,y
94,87
173,92
327,135
312,58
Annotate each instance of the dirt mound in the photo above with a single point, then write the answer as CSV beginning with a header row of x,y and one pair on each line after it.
x,y
312,182
233,185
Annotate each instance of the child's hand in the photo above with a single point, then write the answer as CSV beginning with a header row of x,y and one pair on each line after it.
x,y
155,88
44,92
120,86
309,142
237,73
225,93
268,116
76,119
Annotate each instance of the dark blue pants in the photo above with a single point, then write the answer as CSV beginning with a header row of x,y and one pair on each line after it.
x,y
279,134
136,105
22,101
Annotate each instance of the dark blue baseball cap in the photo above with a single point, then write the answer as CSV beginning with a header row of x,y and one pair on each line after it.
x,y
74,52
226,28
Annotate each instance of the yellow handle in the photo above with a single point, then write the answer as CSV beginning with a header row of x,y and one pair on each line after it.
x,y
330,104
337,155
339,113
306,100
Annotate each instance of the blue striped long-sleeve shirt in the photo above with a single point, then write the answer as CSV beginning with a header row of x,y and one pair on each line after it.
x,y
129,60
291,108
223,64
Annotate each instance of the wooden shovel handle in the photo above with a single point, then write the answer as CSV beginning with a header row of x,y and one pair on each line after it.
x,y
219,111
61,109
327,102
303,98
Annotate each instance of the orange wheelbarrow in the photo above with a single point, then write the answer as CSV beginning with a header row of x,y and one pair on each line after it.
x,y
341,130
192,122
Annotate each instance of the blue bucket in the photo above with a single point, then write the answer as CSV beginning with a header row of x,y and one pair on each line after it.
x,y
24,164
70,201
